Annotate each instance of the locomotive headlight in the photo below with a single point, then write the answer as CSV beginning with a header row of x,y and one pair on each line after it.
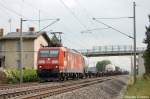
x,y
40,66
56,66
41,62
54,61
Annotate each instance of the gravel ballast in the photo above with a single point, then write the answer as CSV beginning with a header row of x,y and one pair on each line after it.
x,y
111,89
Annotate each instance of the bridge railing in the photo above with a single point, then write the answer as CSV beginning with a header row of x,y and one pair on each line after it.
x,y
111,49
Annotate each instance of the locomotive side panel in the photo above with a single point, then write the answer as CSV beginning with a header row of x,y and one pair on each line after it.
x,y
74,62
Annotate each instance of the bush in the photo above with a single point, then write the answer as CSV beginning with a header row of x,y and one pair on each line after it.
x,y
3,76
29,75
146,76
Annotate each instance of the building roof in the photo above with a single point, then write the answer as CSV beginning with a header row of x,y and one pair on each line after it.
x,y
25,35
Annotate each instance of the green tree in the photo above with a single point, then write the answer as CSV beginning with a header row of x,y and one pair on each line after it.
x,y
147,52
100,66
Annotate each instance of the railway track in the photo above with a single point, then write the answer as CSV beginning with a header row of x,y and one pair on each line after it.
x,y
46,91
8,86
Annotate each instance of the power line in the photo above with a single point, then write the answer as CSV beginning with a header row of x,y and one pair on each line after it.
x,y
71,12
106,24
18,14
115,18
89,16
74,42
41,19
113,28
95,29
11,10
32,6
48,25
143,7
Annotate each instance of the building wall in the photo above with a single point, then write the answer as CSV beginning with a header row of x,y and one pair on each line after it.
x,y
12,59
2,54
28,54
11,52
37,44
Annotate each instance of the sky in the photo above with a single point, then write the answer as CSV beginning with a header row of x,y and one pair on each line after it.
x,y
76,16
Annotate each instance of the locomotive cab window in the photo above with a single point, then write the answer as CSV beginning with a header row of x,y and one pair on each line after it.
x,y
44,53
54,53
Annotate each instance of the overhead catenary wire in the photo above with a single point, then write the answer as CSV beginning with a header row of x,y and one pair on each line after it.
x,y
41,19
115,18
84,44
108,18
72,13
12,11
90,30
26,19
143,7
45,12
48,25
88,15
20,15
113,28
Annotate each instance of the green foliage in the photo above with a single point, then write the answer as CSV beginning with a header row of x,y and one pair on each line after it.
x,y
29,75
146,77
100,66
147,52
140,88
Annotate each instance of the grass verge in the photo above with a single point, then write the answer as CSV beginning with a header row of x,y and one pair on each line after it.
x,y
140,89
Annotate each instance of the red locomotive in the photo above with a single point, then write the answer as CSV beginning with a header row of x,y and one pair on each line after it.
x,y
60,62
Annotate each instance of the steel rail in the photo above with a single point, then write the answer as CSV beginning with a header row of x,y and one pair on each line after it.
x,y
32,90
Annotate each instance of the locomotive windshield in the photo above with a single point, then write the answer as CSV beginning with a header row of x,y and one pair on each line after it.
x,y
49,53
53,53
44,53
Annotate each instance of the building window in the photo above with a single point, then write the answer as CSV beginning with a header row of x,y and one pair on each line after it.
x,y
18,46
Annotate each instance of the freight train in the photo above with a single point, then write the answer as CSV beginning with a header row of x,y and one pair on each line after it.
x,y
62,63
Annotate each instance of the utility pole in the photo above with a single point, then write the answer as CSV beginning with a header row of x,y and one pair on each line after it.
x,y
134,30
21,55
9,24
39,20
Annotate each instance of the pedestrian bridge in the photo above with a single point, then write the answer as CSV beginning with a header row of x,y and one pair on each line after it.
x,y
116,50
